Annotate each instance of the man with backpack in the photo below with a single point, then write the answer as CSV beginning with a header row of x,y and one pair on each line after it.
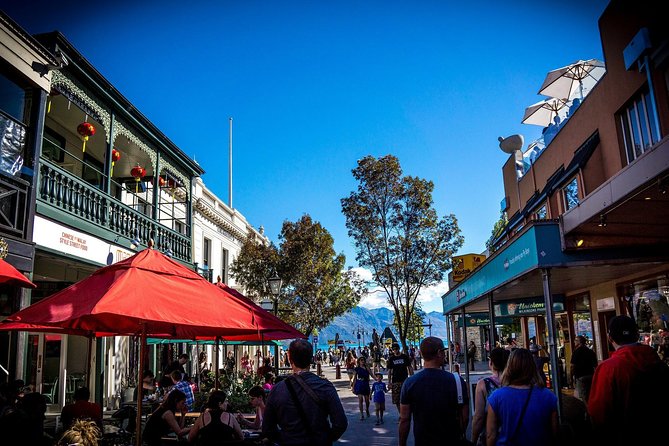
x,y
303,409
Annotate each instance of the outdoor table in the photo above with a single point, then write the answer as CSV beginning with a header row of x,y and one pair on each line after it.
x,y
147,406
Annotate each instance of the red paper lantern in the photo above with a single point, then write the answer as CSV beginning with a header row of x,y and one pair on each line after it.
x,y
161,182
116,155
137,172
86,130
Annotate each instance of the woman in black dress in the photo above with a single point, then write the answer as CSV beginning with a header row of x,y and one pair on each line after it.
x,y
215,424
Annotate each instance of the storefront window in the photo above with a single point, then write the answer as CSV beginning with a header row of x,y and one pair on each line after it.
x,y
648,303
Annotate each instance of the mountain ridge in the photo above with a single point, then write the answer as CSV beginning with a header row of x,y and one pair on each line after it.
x,y
363,320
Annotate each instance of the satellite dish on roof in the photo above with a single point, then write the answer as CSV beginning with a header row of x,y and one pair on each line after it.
x,y
511,144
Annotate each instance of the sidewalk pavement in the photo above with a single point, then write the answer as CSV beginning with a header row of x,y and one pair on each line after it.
x,y
365,432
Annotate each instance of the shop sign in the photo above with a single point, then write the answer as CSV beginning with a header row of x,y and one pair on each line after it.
x,y
482,320
68,241
530,307
465,264
606,304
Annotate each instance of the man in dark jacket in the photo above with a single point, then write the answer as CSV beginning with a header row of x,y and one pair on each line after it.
x,y
583,363
303,409
629,390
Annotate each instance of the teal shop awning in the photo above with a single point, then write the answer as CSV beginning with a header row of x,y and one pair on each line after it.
x,y
514,272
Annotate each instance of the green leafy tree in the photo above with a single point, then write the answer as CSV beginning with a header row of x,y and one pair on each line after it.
x,y
254,265
315,287
415,331
497,230
397,233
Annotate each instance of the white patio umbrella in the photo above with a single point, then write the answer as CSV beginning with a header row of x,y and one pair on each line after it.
x,y
543,112
573,80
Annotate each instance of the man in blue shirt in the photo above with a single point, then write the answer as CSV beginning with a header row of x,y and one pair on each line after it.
x,y
184,386
430,397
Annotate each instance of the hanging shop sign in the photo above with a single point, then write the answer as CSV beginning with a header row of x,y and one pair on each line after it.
x,y
464,265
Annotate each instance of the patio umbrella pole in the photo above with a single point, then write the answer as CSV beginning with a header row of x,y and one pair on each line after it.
x,y
218,338
89,354
140,390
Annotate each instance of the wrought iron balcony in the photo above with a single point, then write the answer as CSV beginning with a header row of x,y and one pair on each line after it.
x,y
68,193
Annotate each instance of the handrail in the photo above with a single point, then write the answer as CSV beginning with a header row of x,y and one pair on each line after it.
x,y
69,193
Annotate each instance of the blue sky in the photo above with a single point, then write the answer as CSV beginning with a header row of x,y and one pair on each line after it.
x,y
313,86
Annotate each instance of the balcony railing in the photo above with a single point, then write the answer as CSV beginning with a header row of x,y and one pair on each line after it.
x,y
70,194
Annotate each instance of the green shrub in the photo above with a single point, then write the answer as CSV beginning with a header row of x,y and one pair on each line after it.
x,y
236,387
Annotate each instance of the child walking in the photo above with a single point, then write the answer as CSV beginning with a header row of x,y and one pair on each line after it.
x,y
379,396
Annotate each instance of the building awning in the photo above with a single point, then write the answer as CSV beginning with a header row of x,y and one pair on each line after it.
x,y
515,271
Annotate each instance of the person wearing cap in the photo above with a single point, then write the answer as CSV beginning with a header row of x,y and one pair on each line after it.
x,y
399,369
629,390
431,398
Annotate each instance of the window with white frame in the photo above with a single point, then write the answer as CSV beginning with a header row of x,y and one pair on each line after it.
x,y
206,252
638,126
224,265
570,194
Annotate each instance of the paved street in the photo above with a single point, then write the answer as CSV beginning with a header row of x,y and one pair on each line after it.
x,y
365,432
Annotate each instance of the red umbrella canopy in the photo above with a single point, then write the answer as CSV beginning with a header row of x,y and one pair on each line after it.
x,y
269,326
147,290
11,276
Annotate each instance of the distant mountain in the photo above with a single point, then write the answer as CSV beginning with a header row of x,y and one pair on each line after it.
x,y
362,319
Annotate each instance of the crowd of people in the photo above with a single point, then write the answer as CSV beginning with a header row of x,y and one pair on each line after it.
x,y
617,401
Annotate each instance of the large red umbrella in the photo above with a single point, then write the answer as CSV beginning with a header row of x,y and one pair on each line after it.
x,y
148,293
11,276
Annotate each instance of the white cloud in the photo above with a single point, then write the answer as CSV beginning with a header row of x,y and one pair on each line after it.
x,y
363,273
430,297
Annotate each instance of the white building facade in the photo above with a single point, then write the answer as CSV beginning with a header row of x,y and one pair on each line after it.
x,y
218,235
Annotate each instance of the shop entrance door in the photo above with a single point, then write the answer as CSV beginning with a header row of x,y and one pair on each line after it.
x,y
44,370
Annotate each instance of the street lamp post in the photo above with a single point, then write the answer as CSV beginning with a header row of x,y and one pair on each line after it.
x,y
275,288
361,333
